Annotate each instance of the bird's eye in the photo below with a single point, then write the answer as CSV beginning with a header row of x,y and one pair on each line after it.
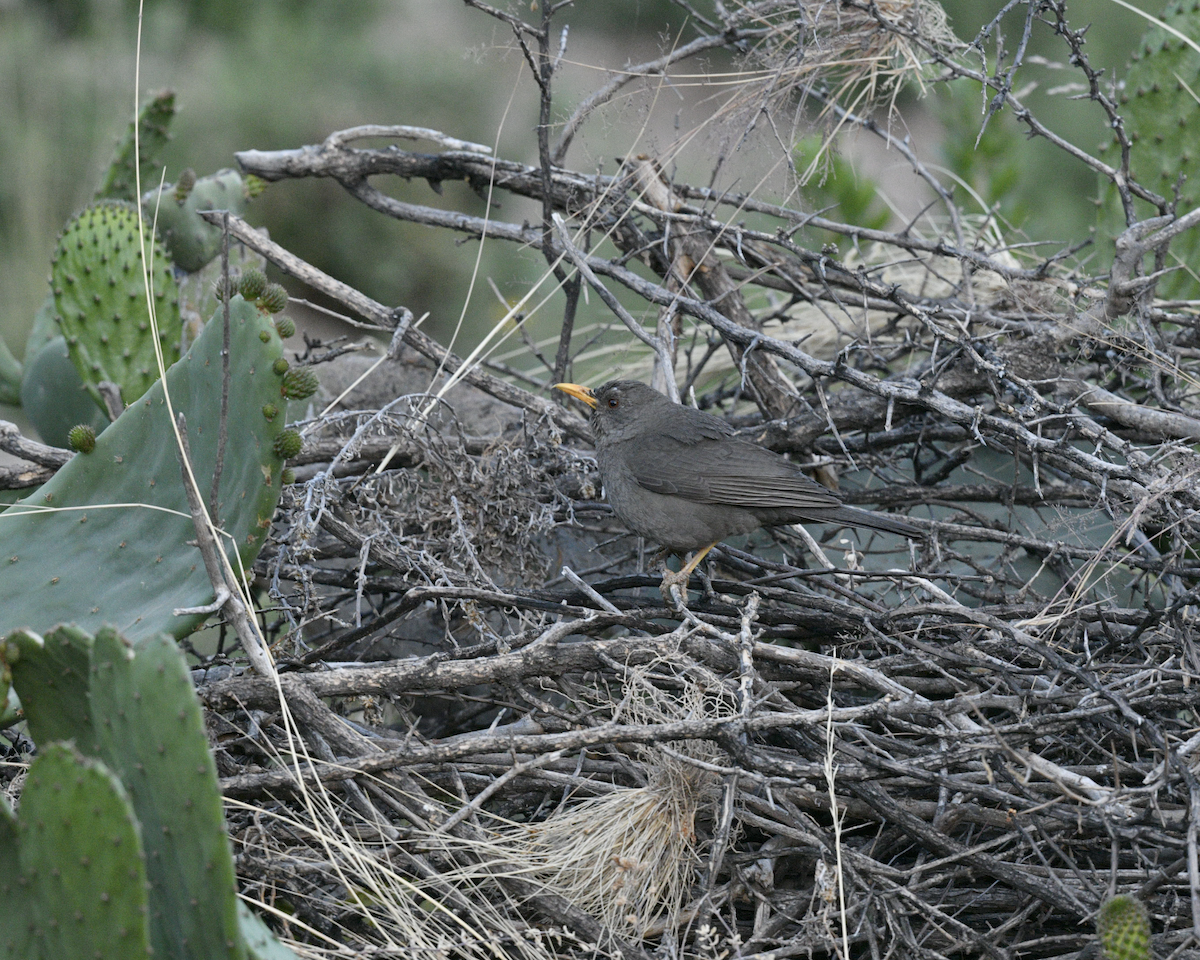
x,y
613,403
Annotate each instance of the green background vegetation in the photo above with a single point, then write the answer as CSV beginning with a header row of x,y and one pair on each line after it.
x,y
280,75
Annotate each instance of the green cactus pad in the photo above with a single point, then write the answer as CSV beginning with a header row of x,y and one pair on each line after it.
x,y
11,373
191,241
122,511
1123,926
16,899
100,301
1161,118
154,121
81,853
152,735
198,292
164,840
53,396
260,941
44,329
10,709
56,667
6,691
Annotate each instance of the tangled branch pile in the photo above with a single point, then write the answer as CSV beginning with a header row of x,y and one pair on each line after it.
x,y
957,747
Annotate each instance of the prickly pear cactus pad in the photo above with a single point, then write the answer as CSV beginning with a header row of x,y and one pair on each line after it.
x,y
107,539
152,736
260,941
15,896
53,396
191,241
154,121
100,301
198,291
56,666
44,329
123,837
81,856
1161,118
1123,926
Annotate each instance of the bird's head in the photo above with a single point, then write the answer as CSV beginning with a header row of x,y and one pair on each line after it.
x,y
619,407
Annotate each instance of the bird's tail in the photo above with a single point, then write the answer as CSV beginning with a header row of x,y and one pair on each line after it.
x,y
854,517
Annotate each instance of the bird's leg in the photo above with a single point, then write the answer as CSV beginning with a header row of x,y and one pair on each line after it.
x,y
704,573
695,561
671,579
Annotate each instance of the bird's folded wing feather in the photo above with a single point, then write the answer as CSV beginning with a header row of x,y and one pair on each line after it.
x,y
735,474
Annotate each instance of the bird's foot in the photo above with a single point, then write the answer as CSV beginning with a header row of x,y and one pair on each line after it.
x,y
675,585
672,580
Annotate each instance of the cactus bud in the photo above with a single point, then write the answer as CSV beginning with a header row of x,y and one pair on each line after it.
x,y
270,412
82,438
280,367
299,384
253,185
273,299
252,284
287,444
183,189
288,475
286,327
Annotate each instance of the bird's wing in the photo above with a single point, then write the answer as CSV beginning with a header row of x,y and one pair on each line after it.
x,y
726,472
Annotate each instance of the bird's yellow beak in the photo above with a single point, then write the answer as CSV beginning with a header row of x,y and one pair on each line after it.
x,y
578,392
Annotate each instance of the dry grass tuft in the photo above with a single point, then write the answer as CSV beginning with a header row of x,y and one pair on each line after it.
x,y
860,54
628,857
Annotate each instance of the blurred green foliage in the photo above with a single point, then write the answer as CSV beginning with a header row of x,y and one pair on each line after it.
x,y
1052,196
279,80
280,75
1034,187
986,164
837,192
82,18
1161,106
